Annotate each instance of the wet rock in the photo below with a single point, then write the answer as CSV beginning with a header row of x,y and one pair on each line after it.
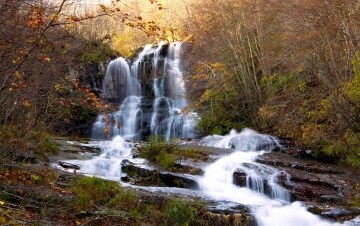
x,y
69,165
144,176
225,207
341,214
333,212
177,180
239,178
330,199
353,222
126,162
258,181
90,149
135,171
313,181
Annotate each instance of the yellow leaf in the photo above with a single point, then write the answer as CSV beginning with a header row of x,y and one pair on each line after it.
x,y
2,203
17,74
26,103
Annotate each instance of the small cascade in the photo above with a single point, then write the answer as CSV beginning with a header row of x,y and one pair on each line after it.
x,y
147,110
247,140
130,115
257,185
107,165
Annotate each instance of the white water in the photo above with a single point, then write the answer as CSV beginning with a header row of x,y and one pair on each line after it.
x,y
108,163
124,83
170,97
270,209
217,182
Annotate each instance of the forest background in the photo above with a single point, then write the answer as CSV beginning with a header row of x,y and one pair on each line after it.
x,y
289,68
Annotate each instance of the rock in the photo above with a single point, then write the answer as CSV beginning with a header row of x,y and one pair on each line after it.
x,y
334,213
330,199
341,214
69,165
145,176
126,162
239,178
177,180
90,149
66,146
314,181
353,222
231,219
135,171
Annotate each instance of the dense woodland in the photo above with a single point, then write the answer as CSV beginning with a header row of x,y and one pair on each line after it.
x,y
288,68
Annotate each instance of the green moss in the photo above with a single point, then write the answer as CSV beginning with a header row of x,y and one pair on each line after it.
x,y
195,154
160,152
168,154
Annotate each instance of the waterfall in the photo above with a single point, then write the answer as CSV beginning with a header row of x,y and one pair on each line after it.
x,y
147,109
107,165
269,201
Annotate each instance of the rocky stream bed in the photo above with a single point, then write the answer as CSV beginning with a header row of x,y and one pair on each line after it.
x,y
326,190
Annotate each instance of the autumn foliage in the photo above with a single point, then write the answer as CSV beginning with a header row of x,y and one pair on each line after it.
x,y
285,67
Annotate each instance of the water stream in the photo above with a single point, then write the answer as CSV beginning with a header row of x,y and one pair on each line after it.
x,y
258,187
272,208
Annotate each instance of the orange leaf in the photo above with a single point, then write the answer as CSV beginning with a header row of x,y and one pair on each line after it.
x,y
44,58
26,103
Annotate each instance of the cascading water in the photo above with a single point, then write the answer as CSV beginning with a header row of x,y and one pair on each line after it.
x,y
272,208
107,165
156,109
167,118
167,96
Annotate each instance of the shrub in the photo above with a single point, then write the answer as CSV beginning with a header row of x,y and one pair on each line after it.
x,y
219,123
161,152
127,200
92,191
356,199
179,213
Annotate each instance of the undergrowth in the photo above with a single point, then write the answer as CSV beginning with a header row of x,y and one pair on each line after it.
x,y
168,155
